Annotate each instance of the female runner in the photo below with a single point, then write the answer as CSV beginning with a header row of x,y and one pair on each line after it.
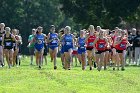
x,y
90,49
100,44
81,43
53,44
7,42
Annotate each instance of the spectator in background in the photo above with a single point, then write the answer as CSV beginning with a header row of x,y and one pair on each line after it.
x,y
130,50
31,46
136,45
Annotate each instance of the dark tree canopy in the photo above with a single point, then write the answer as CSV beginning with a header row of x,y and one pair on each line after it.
x,y
107,13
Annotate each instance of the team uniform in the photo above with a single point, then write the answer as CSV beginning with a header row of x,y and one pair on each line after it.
x,y
15,44
54,41
90,42
1,35
39,44
101,46
81,43
1,48
68,42
8,42
121,46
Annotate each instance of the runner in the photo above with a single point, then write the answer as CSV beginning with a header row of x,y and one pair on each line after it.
x,y
18,59
15,46
108,50
81,43
115,34
100,44
39,40
90,49
7,42
68,39
2,25
53,44
121,43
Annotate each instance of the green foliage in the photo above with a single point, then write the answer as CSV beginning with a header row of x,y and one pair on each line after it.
x,y
27,14
107,13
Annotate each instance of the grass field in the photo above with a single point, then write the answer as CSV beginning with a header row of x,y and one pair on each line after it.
x,y
28,79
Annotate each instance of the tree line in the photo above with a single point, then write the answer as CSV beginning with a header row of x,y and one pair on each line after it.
x,y
27,14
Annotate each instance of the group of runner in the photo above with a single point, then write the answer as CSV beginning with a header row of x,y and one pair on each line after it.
x,y
99,48
10,42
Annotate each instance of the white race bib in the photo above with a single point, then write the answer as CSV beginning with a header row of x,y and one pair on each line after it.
x,y
8,43
91,44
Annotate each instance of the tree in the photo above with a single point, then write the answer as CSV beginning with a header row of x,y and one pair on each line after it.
x,y
107,13
27,14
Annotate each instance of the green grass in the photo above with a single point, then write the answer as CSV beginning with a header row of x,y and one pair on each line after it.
x,y
28,79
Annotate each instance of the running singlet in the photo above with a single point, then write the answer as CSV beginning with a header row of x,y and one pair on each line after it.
x,y
68,40
39,44
90,41
8,42
54,38
1,38
81,42
113,40
101,45
122,45
14,42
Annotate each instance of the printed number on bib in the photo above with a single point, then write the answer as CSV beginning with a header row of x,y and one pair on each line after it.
x,y
8,43
82,47
91,44
101,45
39,41
54,41
68,43
122,45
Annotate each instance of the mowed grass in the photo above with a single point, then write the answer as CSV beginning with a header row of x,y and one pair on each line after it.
x,y
28,79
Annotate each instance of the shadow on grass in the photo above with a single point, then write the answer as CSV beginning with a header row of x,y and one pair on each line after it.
x,y
132,65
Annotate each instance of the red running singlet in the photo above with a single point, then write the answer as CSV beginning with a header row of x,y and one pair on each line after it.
x,y
122,45
101,45
90,41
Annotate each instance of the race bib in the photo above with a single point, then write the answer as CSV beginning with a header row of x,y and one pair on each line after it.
x,y
122,45
54,41
8,43
68,43
39,41
101,45
82,47
91,44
